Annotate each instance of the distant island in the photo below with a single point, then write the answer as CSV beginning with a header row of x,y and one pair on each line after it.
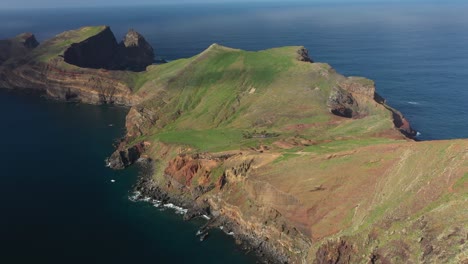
x,y
297,162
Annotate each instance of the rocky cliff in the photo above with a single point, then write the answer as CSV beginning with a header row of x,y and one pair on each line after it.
x,y
101,51
95,52
134,52
296,161
308,166
73,66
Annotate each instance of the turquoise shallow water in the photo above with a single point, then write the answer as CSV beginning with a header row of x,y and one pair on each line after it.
x,y
57,202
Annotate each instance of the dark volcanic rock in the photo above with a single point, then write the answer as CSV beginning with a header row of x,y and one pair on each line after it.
x,y
28,40
135,53
303,55
124,157
95,52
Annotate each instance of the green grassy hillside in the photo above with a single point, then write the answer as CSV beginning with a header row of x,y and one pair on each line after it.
x,y
357,180
230,93
295,154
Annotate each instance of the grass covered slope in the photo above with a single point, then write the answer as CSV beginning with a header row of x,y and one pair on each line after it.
x,y
302,157
233,92
304,164
386,199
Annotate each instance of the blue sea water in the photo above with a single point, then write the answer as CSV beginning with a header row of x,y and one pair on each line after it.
x,y
57,204
57,201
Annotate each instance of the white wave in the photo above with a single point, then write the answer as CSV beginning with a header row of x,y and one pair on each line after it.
x,y
414,103
158,204
135,197
112,181
418,134
178,209
198,233
206,217
230,233
221,227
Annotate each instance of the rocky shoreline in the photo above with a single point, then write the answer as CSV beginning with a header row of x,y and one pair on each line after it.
x,y
248,242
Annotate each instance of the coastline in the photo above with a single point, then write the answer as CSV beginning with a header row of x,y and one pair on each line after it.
x,y
146,190
329,173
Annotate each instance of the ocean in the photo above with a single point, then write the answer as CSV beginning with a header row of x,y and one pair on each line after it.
x,y
57,201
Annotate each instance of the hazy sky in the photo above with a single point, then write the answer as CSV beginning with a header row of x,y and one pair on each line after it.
x,y
5,4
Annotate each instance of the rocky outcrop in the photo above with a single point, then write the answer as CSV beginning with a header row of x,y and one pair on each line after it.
x,y
303,55
29,40
17,46
349,97
342,103
125,156
102,51
134,53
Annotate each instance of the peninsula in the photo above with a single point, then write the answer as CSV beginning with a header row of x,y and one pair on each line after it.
x,y
296,161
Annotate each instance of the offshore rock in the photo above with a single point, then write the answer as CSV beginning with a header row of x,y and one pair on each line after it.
x,y
134,53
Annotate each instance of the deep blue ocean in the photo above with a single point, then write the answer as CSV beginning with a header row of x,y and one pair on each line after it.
x,y
57,204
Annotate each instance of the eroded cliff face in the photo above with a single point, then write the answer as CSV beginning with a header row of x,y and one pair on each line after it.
x,y
213,184
351,99
68,84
